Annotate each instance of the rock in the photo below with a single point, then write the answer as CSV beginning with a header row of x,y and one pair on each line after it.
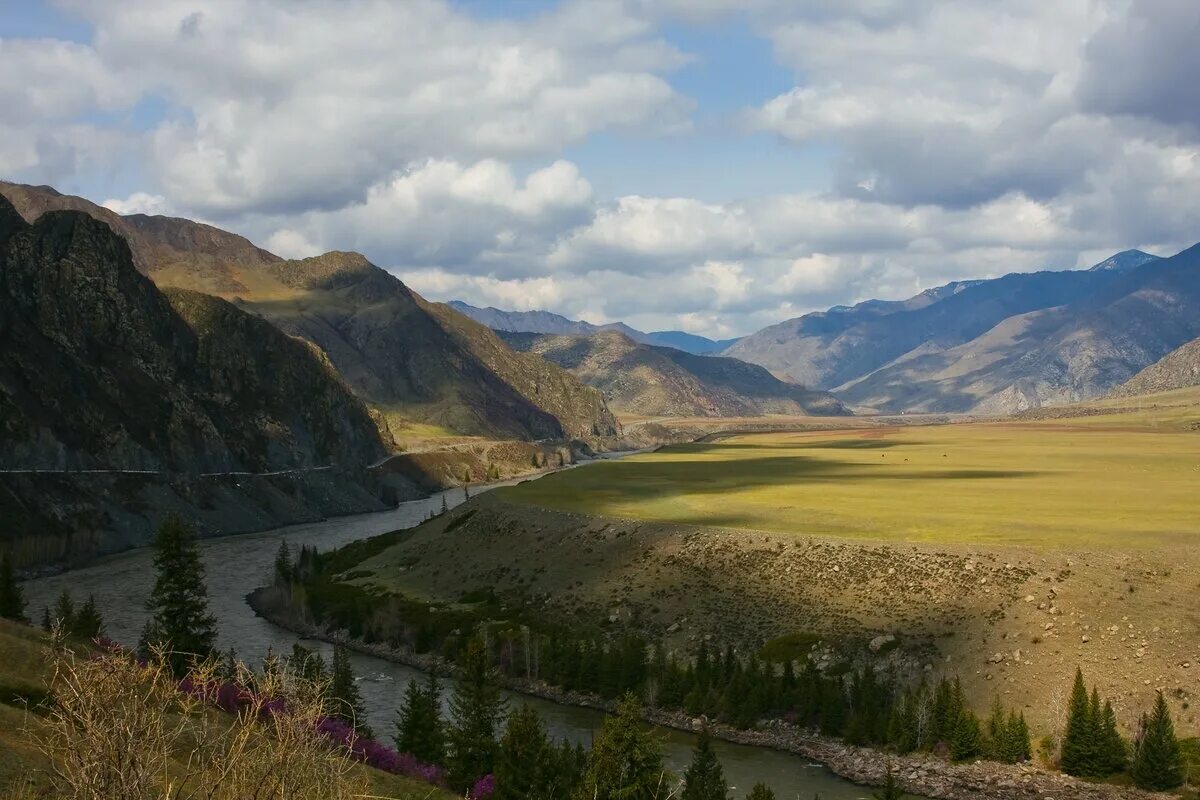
x,y
879,642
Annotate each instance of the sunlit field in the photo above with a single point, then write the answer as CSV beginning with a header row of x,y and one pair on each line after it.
x,y
1071,483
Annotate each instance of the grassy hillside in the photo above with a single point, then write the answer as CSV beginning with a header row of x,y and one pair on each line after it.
x,y
24,672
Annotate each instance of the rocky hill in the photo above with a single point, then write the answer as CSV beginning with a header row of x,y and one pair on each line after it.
x,y
1177,370
661,381
100,369
996,346
548,322
415,363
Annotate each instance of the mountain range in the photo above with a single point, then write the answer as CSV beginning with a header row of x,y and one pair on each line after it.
x,y
656,381
548,322
995,346
1179,369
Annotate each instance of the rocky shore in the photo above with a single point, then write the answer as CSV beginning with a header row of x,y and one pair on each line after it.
x,y
919,774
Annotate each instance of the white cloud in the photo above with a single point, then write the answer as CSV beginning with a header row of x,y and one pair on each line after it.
x,y
140,203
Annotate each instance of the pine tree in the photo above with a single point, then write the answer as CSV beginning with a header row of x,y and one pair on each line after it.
x,y
88,624
1157,760
704,778
525,761
180,622
1079,740
64,612
967,740
343,693
626,761
47,623
419,730
284,572
476,709
12,599
891,789
761,792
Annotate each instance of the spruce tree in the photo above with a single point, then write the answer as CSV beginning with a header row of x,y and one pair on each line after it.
x,y
178,604
1157,760
87,623
1112,746
12,599
704,779
891,789
419,730
967,740
1079,739
626,761
64,612
525,761
346,702
476,709
761,792
283,565
47,623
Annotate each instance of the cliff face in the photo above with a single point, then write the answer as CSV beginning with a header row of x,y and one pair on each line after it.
x,y
101,370
1179,369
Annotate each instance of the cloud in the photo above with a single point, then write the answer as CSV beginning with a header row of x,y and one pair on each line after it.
x,y
140,203
291,107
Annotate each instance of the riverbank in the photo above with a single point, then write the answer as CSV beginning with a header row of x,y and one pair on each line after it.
x,y
919,774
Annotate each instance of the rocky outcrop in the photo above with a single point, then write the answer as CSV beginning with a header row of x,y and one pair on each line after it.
x,y
1179,369
664,382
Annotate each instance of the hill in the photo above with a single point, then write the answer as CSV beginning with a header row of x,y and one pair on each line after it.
x,y
1179,369
995,346
548,322
424,368
661,381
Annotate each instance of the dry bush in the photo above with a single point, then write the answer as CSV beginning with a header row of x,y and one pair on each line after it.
x,y
120,730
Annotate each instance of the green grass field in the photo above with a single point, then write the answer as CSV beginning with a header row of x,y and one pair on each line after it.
x,y
1084,482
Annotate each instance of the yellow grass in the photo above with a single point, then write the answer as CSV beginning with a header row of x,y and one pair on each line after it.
x,y
1081,482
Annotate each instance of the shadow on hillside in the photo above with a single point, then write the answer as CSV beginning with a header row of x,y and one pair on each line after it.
x,y
822,444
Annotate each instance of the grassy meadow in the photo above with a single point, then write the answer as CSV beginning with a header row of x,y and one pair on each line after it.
x,y
1088,482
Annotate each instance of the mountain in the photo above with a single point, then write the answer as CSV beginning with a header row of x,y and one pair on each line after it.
x,y
417,364
995,346
1125,261
547,322
1179,369
100,369
648,380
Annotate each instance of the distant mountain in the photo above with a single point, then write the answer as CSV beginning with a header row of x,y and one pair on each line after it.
x,y
547,322
1124,261
657,381
1179,369
996,346
99,369
413,362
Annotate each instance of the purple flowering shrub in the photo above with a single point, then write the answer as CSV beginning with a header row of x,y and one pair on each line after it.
x,y
483,788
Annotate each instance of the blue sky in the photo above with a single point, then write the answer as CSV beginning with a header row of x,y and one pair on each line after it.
x,y
708,165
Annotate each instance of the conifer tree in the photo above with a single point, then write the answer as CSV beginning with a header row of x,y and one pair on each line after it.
x,y
1079,740
346,702
891,789
88,623
626,761
283,564
64,612
967,739
178,604
704,779
761,792
47,623
1112,746
419,729
476,709
1157,760
12,599
525,760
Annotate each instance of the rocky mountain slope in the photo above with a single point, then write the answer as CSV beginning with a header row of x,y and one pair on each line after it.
x,y
547,322
996,346
1177,370
661,381
100,369
415,363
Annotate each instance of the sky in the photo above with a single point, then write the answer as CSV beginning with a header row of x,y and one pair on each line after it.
x,y
707,165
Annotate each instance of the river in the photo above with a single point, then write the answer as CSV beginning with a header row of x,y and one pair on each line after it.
x,y
237,564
